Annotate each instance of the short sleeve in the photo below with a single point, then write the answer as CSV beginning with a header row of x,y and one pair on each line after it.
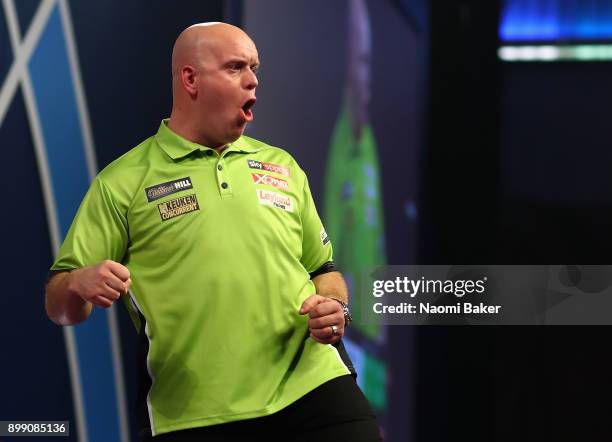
x,y
316,246
98,231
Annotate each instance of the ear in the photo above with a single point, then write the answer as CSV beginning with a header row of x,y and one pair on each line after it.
x,y
189,80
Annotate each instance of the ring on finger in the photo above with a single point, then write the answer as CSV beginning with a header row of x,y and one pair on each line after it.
x,y
334,330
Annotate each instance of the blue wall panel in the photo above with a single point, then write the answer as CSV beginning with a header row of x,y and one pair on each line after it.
x,y
57,108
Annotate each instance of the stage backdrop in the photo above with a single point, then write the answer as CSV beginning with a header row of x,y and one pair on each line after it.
x,y
83,82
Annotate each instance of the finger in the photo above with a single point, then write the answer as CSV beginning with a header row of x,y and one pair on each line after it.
x,y
128,284
326,321
319,334
101,301
110,294
311,302
325,339
325,333
120,271
325,308
115,284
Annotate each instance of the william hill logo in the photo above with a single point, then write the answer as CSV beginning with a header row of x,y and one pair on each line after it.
x,y
161,190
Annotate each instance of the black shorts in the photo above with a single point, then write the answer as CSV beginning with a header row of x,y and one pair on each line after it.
x,y
336,411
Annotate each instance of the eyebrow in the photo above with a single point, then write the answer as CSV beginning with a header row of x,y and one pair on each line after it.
x,y
242,61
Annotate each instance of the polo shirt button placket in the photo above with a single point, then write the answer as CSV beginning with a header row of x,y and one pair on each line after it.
x,y
225,188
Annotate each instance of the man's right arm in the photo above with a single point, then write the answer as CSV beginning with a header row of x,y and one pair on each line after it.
x,y
71,295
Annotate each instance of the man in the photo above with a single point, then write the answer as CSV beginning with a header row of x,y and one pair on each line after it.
x,y
214,238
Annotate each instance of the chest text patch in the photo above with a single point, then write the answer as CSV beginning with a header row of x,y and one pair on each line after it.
x,y
268,167
178,206
274,199
161,190
262,178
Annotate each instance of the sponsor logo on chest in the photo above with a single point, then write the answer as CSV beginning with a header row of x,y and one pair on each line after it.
x,y
178,206
269,167
275,199
161,190
262,178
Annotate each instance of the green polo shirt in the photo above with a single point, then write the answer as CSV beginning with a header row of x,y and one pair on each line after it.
x,y
219,248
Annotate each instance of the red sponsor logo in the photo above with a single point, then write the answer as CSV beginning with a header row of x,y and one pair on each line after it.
x,y
262,178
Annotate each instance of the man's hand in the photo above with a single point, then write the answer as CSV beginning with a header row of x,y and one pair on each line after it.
x,y
101,284
324,313
70,296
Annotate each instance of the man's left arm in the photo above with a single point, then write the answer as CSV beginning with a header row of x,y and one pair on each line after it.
x,y
325,308
331,285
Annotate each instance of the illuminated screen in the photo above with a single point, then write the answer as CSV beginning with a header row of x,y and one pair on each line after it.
x,y
555,20
556,30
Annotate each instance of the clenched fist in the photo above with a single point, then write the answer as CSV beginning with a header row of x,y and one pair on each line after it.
x,y
325,315
101,284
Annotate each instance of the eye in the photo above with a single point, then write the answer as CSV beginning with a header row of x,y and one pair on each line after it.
x,y
235,67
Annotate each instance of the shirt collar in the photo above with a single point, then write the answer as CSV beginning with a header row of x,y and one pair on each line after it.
x,y
178,147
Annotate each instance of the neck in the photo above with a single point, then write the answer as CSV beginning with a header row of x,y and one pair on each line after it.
x,y
181,126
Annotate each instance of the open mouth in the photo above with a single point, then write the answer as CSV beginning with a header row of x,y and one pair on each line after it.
x,y
247,108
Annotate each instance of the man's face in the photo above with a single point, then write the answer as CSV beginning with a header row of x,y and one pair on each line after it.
x,y
226,87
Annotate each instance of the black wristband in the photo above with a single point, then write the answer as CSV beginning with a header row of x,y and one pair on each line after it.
x,y
329,266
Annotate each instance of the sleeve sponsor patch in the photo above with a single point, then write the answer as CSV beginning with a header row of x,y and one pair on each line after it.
x,y
178,206
161,190
274,199
324,237
262,178
269,167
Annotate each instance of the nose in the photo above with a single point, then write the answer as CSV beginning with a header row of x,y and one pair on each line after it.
x,y
251,80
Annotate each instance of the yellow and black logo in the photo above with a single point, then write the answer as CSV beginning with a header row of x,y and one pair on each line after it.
x,y
178,206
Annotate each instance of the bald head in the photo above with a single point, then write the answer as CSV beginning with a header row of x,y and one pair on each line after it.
x,y
213,82
195,43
